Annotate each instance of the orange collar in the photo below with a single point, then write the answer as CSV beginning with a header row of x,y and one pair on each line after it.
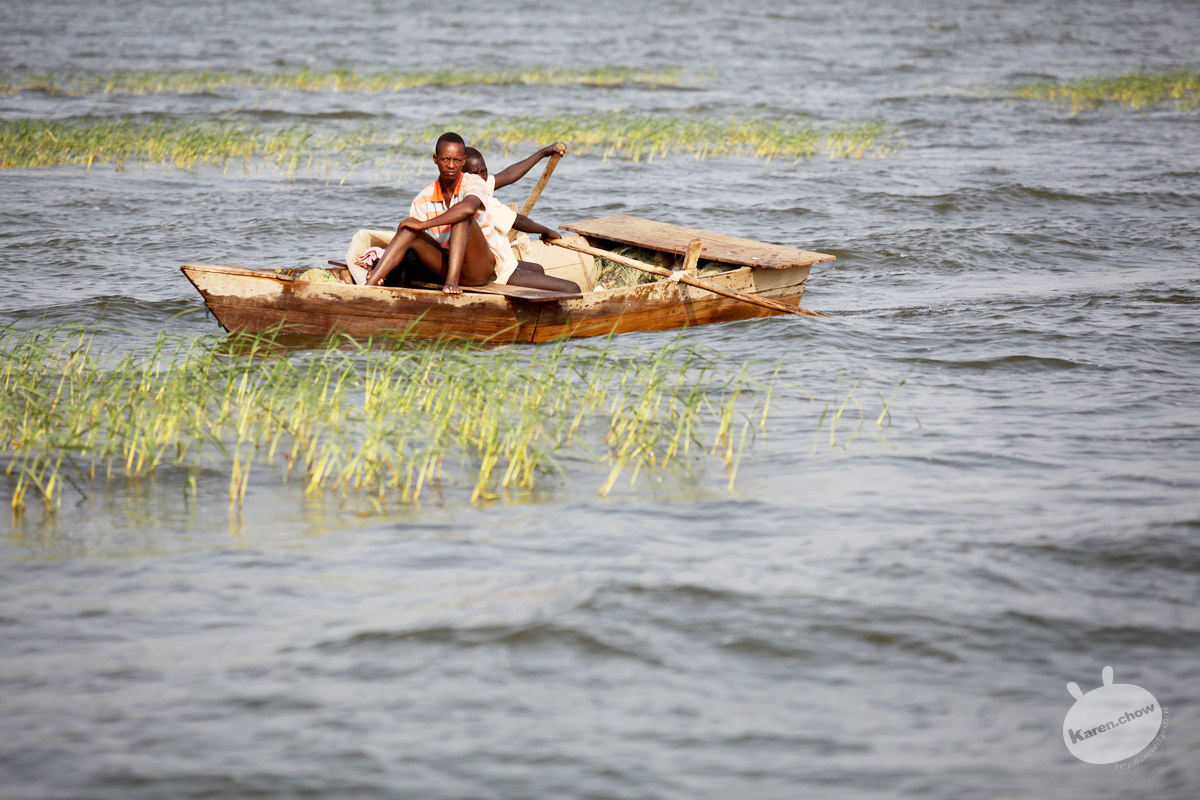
x,y
437,189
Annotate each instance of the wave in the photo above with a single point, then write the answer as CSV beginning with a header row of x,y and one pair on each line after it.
x,y
538,636
1021,363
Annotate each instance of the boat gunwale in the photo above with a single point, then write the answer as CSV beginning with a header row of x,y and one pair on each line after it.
x,y
416,293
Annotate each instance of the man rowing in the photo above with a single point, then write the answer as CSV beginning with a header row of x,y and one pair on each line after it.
x,y
505,219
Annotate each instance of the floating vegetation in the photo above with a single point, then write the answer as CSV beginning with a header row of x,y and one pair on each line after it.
x,y
383,426
649,135
307,79
39,143
1133,89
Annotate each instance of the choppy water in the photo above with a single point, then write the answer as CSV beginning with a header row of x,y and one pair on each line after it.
x,y
882,618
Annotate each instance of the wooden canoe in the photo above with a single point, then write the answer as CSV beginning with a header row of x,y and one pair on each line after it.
x,y
256,301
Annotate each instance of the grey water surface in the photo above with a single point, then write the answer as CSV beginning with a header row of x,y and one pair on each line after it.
x,y
873,612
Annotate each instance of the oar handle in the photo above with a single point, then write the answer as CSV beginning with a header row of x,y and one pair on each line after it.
x,y
683,277
541,184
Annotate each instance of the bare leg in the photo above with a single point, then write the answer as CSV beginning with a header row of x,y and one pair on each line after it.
x,y
422,244
470,258
531,267
540,280
393,254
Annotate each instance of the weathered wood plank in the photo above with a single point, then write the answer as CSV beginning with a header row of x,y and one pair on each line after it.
x,y
665,305
504,290
683,276
254,301
625,315
716,246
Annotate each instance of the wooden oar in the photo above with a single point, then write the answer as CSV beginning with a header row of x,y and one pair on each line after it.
x,y
683,277
541,184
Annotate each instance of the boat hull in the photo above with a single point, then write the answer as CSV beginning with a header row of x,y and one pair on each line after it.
x,y
260,301
257,301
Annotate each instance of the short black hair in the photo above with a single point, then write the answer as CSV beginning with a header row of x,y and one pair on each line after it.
x,y
471,152
448,136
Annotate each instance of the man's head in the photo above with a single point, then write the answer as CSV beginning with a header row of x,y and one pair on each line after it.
x,y
448,155
475,164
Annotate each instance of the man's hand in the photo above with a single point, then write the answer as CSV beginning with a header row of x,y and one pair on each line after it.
x,y
411,224
549,236
514,172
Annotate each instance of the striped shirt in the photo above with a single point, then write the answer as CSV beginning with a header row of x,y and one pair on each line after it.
x,y
431,202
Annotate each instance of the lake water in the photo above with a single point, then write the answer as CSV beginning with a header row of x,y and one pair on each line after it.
x,y
893,614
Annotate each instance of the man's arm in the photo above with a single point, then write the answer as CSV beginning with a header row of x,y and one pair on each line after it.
x,y
526,225
463,209
514,172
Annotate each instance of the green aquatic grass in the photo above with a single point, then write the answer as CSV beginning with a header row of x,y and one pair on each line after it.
x,y
384,426
40,143
638,136
844,417
1133,90
308,79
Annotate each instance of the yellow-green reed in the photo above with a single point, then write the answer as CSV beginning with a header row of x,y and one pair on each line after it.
x,y
638,136
40,143
309,79
1133,89
384,424
839,411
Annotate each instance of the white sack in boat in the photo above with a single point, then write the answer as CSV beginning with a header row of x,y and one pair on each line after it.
x,y
363,241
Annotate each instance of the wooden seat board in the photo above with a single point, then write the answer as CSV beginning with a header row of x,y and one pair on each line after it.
x,y
518,292
668,238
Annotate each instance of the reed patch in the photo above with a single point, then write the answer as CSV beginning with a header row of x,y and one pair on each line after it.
x,y
378,425
1180,88
308,79
648,136
41,143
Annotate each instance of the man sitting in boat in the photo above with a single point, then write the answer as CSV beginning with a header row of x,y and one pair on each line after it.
x,y
448,228
450,231
505,219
